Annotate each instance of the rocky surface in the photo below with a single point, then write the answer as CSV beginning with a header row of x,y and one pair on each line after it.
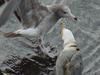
x,y
86,31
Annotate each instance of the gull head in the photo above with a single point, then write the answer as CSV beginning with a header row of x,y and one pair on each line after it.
x,y
63,11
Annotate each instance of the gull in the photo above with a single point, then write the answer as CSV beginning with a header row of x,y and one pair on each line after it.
x,y
36,18
69,61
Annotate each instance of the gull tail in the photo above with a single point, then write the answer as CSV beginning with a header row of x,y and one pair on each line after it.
x,y
11,35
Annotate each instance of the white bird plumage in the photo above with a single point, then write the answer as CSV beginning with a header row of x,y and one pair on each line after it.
x,y
68,36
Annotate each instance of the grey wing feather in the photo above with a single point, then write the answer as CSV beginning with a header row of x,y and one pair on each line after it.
x,y
32,12
9,8
77,63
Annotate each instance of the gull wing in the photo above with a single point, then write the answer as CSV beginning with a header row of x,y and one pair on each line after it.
x,y
76,65
7,9
32,12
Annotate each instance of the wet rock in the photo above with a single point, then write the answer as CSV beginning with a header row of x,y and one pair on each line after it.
x,y
36,64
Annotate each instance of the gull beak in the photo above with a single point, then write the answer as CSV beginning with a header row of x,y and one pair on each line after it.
x,y
75,18
71,15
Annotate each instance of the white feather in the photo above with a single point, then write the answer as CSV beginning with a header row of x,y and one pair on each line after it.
x,y
67,36
29,32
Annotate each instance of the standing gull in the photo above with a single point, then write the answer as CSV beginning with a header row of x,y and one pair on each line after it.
x,y
69,61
